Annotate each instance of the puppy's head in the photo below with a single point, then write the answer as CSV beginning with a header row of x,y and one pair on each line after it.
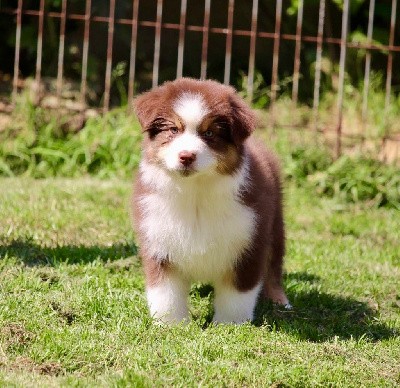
x,y
193,126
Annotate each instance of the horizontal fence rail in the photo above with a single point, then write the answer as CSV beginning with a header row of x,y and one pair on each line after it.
x,y
253,33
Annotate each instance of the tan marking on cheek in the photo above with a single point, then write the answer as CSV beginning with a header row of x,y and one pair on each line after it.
x,y
228,161
154,148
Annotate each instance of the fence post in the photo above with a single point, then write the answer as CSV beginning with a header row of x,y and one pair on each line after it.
x,y
252,57
39,52
204,48
275,61
390,55
109,56
296,67
181,44
342,62
17,50
132,59
157,43
228,48
317,80
61,45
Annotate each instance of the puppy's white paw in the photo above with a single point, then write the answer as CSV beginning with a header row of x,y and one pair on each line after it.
x,y
233,306
168,301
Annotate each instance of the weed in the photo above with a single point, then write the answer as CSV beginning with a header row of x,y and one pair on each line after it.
x,y
358,179
109,146
90,325
106,147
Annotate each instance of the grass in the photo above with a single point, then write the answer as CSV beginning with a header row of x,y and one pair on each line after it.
x,y
72,306
73,313
109,147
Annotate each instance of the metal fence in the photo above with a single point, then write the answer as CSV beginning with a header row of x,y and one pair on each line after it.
x,y
252,33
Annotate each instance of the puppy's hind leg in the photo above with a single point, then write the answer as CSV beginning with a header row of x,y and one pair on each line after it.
x,y
273,288
234,306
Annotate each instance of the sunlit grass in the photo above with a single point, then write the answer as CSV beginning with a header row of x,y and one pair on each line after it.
x,y
73,312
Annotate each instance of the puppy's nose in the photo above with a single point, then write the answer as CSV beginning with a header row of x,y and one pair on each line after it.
x,y
187,158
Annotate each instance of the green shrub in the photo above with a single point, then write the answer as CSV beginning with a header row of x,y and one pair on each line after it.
x,y
109,147
105,147
359,179
301,162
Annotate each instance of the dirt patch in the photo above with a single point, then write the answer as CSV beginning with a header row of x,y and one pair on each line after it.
x,y
15,334
49,368
68,315
48,275
45,368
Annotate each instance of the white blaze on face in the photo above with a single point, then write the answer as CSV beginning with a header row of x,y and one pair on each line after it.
x,y
192,109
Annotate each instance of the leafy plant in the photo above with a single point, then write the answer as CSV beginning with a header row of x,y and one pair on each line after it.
x,y
359,179
106,147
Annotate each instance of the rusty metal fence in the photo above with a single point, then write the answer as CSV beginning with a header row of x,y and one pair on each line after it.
x,y
252,33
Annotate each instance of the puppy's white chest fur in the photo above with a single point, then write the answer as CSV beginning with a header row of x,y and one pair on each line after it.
x,y
197,222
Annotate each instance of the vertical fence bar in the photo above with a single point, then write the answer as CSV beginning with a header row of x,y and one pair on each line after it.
x,y
296,67
228,48
318,60
275,60
39,47
204,48
181,44
390,55
132,59
85,51
367,64
157,43
342,62
17,50
61,48
110,37
252,57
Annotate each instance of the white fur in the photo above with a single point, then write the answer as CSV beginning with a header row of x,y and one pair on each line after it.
x,y
233,306
192,109
192,143
168,300
197,221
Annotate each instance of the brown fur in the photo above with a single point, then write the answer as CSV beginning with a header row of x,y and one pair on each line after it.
x,y
265,258
232,121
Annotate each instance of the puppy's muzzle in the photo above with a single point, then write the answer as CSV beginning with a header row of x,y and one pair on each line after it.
x,y
186,158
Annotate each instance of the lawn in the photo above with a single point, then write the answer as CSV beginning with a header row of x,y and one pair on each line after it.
x,y
73,312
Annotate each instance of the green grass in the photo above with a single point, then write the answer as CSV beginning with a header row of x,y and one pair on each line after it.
x,y
73,312
35,145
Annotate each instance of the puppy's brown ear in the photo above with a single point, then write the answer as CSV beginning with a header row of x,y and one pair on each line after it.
x,y
244,119
146,107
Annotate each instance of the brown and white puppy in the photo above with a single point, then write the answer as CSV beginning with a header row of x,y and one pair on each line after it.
x,y
207,202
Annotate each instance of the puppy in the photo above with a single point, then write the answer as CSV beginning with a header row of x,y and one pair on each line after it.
x,y
207,202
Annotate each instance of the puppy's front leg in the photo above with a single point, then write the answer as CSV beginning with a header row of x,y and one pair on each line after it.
x,y
168,298
234,306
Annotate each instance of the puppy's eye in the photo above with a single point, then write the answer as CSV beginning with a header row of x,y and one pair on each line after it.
x,y
174,130
208,134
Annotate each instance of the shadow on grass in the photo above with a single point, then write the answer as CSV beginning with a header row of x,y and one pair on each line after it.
x,y
32,254
318,316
